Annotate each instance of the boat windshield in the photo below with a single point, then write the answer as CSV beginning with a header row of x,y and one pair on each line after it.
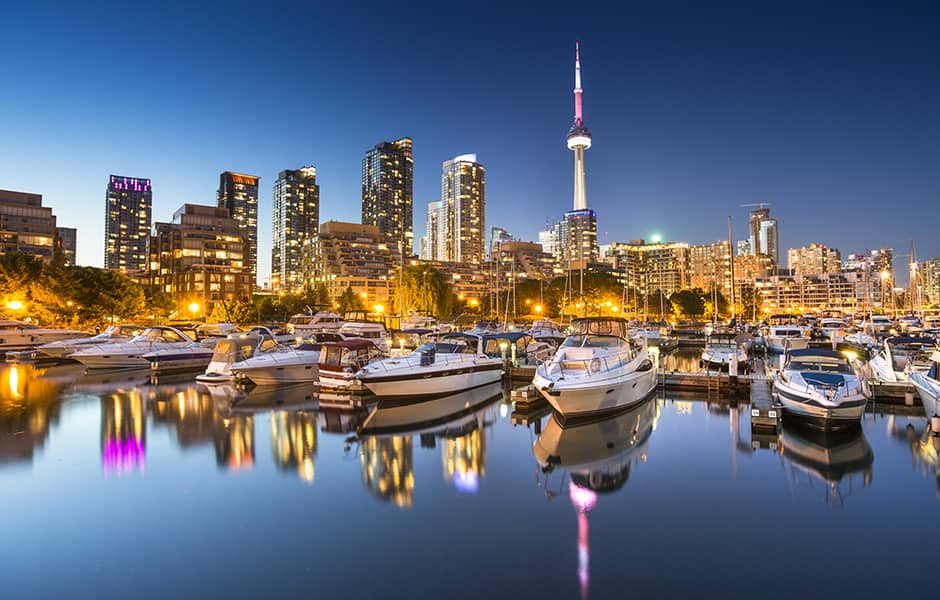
x,y
445,348
592,341
156,334
826,366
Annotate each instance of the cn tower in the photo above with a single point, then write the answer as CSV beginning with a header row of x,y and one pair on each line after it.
x,y
579,138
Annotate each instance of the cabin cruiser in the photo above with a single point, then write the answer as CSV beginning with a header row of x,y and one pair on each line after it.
x,y
236,347
785,333
656,335
545,328
414,320
831,328
191,357
131,353
928,386
340,363
518,347
404,341
284,364
16,335
910,323
113,334
878,324
452,362
721,347
323,321
598,368
900,355
820,387
369,330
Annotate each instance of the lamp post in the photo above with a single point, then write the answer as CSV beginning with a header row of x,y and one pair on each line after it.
x,y
194,309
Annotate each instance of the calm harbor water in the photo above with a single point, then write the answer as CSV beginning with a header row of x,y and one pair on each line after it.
x,y
114,487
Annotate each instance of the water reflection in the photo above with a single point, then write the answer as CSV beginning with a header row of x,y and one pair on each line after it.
x,y
837,459
29,405
294,442
597,457
123,433
387,469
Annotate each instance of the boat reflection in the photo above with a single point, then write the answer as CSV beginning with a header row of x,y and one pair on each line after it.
x,y
597,456
835,458
386,452
926,449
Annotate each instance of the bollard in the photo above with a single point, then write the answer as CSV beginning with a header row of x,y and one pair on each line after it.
x,y
908,398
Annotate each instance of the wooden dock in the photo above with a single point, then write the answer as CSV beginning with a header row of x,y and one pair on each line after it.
x,y
765,413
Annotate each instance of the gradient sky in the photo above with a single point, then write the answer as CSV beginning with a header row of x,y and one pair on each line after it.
x,y
829,112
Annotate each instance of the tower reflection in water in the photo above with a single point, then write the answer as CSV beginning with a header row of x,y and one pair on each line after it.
x,y
294,442
464,458
387,468
29,406
597,456
123,433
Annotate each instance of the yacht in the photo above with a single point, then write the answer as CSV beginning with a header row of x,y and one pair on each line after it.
x,y
785,333
414,320
453,362
901,355
16,335
878,324
821,388
928,387
114,333
720,348
598,368
122,355
323,321
234,348
832,329
369,330
194,356
545,328
341,362
281,365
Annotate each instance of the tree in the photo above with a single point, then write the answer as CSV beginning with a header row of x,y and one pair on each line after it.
x,y
349,301
241,312
425,288
157,302
688,303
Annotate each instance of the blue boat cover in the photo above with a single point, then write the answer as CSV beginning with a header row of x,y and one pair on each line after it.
x,y
827,379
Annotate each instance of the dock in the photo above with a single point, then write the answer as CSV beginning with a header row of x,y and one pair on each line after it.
x,y
765,413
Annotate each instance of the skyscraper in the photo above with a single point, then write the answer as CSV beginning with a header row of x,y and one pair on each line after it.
x,y
239,194
765,238
67,243
128,210
456,225
387,193
296,219
579,228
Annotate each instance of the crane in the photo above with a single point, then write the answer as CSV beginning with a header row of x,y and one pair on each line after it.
x,y
757,204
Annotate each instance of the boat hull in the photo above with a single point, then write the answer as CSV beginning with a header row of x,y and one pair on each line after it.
x,y
929,392
279,374
586,399
434,383
113,361
779,345
847,414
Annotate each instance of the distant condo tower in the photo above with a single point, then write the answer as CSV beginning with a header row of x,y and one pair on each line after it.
x,y
578,231
239,194
295,225
128,210
387,193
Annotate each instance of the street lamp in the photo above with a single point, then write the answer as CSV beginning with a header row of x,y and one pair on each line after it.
x,y
538,309
15,305
194,308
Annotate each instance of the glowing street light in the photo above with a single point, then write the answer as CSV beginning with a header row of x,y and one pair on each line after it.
x,y
538,309
15,305
656,238
194,308
474,302
378,308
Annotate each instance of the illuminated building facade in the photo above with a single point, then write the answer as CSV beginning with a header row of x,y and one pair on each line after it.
x,y
239,194
200,257
523,260
651,267
764,234
710,266
815,292
67,244
498,235
470,280
296,220
350,255
459,229
128,212
388,193
930,271
294,441
26,225
814,259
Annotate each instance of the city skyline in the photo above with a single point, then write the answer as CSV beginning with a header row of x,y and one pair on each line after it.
x,y
674,138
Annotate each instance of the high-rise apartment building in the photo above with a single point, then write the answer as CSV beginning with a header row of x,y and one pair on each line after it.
x,y
651,267
200,258
814,259
296,219
576,239
930,271
128,210
356,256
387,193
67,244
764,234
26,225
710,266
239,194
456,224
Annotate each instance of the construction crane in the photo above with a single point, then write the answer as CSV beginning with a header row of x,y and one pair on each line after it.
x,y
758,205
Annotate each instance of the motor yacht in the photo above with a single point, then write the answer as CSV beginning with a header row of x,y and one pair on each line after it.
x,y
323,321
341,362
122,355
878,324
901,355
545,328
414,320
404,341
598,368
236,347
832,329
16,335
721,347
282,365
369,330
111,335
452,362
928,387
820,387
785,333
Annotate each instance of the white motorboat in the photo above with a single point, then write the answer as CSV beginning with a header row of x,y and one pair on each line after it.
x,y
111,335
598,368
783,338
340,363
369,330
281,365
545,328
122,355
323,321
414,320
832,329
928,388
191,357
820,387
721,348
16,335
234,348
878,324
901,355
454,362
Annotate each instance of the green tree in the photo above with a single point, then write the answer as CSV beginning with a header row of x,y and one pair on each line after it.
x,y
241,312
426,288
688,303
157,302
349,300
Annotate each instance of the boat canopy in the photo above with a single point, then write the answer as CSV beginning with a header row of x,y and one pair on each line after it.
x,y
821,353
609,326
911,340
511,336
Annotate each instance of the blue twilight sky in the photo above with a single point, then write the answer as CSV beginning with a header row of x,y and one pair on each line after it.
x,y
827,111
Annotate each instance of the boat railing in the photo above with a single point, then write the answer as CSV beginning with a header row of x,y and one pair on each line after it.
x,y
585,366
416,360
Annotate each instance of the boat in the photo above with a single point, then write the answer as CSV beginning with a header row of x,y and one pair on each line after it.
x,y
878,324
129,354
831,328
784,333
376,333
598,368
340,363
305,324
450,363
821,388
901,355
831,457
413,320
236,347
404,341
657,335
927,384
721,348
191,357
113,334
281,365
17,335
545,328
419,415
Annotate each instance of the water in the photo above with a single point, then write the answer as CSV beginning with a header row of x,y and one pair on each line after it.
x,y
112,487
